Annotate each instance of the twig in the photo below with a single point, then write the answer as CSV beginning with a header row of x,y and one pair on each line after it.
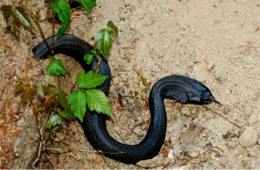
x,y
57,150
42,141
98,64
70,149
53,32
225,117
36,21
133,96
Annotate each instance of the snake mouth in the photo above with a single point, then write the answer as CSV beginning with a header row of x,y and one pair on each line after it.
x,y
212,99
215,101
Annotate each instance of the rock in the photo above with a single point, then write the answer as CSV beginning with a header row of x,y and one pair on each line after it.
x,y
253,150
155,162
233,143
186,111
248,137
171,154
253,119
188,137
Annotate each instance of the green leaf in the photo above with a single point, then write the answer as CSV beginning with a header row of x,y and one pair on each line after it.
x,y
98,101
104,40
62,8
90,80
88,58
63,28
68,114
51,57
53,121
112,26
94,52
56,68
87,4
77,100
62,99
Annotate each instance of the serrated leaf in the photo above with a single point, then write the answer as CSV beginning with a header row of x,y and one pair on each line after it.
x,y
88,58
98,101
56,68
104,40
62,99
19,88
28,93
77,100
62,8
22,16
112,26
15,16
68,114
63,28
90,80
53,121
50,91
40,89
14,27
87,4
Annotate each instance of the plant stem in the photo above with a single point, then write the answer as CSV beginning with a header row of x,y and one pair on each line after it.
x,y
36,21
98,65
53,33
35,112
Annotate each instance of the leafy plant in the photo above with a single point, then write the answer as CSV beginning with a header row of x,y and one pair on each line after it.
x,y
104,38
54,101
94,98
48,99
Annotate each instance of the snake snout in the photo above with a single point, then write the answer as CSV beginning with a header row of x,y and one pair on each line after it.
x,y
207,98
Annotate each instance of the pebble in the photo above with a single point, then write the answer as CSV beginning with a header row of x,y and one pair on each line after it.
x,y
171,154
233,143
253,119
248,137
186,111
253,150
155,162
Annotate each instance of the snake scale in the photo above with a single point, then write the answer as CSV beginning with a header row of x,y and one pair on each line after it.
x,y
176,87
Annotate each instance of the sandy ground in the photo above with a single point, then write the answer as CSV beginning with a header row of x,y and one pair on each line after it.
x,y
215,42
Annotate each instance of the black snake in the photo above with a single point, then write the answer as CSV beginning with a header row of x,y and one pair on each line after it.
x,y
176,87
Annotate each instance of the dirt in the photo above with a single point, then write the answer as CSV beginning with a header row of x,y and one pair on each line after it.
x,y
215,42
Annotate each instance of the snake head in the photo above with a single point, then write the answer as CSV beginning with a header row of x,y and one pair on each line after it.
x,y
206,98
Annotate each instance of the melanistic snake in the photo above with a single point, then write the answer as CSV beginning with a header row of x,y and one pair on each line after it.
x,y
179,88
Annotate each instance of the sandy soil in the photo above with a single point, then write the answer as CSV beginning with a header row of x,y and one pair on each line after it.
x,y
215,42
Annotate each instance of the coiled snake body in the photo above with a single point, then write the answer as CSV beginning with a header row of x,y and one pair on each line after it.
x,y
179,88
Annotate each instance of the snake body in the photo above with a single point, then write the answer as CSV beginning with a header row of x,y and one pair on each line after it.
x,y
176,87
